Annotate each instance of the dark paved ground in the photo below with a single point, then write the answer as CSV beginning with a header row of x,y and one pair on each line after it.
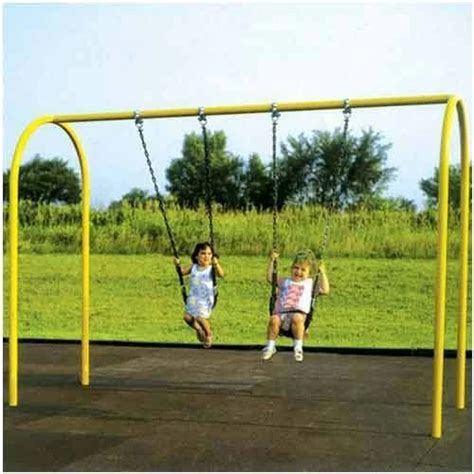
x,y
174,409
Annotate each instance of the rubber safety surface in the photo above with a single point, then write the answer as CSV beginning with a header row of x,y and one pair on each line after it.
x,y
191,409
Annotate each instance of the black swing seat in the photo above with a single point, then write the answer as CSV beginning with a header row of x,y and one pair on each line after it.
x,y
309,315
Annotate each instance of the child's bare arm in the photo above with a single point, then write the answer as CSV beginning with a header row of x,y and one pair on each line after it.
x,y
323,280
217,266
273,257
184,270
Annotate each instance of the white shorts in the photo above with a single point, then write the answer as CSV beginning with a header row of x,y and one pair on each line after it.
x,y
287,318
200,316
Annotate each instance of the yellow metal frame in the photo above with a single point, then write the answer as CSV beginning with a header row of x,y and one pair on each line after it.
x,y
453,104
13,248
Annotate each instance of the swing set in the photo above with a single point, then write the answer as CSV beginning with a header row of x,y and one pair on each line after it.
x,y
275,114
453,105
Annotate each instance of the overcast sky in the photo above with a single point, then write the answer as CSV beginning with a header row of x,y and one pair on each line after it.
x,y
81,58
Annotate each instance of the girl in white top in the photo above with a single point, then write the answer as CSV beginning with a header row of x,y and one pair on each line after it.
x,y
201,296
294,301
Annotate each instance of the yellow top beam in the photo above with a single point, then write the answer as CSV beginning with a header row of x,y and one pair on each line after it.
x,y
258,108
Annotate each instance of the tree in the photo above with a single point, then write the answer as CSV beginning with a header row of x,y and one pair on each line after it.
x,y
136,197
430,187
46,181
330,171
186,175
381,203
257,184
295,170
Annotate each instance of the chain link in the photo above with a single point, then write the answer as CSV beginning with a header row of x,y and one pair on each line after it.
x,y
208,190
347,115
275,114
275,117
207,170
332,207
139,125
347,111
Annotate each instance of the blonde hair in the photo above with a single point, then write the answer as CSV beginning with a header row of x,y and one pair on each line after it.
x,y
306,256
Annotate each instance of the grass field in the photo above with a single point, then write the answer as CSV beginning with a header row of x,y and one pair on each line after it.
x,y
385,303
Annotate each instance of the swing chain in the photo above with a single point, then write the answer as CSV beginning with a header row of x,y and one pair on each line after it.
x,y
139,125
207,170
275,112
347,115
347,111
274,116
324,243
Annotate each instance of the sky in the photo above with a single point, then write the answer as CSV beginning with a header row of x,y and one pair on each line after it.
x,y
106,57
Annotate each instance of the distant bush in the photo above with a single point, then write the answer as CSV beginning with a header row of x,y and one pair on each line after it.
x,y
128,229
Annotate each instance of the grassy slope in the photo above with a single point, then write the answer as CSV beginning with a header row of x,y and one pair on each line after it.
x,y
373,303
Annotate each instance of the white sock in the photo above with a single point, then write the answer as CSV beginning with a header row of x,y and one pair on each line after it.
x,y
270,344
298,344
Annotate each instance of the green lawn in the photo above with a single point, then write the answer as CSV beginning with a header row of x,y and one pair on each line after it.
x,y
373,302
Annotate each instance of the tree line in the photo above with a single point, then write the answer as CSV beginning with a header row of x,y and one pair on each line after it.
x,y
323,168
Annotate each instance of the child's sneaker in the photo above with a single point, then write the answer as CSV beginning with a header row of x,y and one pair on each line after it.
x,y
268,353
207,342
298,355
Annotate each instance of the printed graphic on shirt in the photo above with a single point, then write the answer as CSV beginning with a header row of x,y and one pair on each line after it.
x,y
291,296
294,296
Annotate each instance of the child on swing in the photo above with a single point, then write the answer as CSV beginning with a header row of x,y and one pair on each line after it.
x,y
293,304
200,301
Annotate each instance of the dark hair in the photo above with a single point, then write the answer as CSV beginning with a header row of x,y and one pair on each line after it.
x,y
200,246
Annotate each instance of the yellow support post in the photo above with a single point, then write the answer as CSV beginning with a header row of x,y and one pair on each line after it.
x,y
13,250
85,351
440,315
463,258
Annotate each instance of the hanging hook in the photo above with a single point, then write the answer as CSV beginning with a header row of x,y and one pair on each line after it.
x,y
275,112
138,119
347,115
347,108
202,117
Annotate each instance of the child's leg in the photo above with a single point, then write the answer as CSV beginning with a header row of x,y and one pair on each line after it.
x,y
273,327
297,326
193,323
297,329
206,327
273,330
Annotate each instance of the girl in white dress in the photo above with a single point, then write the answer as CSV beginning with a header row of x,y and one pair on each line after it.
x,y
201,298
